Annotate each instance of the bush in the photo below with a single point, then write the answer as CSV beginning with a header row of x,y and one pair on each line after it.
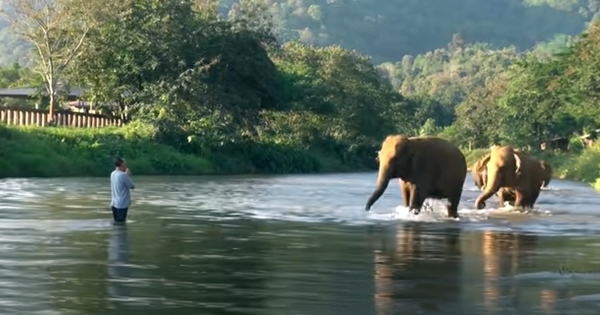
x,y
53,152
57,152
474,155
584,167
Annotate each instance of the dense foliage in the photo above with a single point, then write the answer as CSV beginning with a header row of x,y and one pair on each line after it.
x,y
535,100
226,90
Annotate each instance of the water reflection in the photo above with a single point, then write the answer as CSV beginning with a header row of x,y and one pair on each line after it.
x,y
276,245
418,271
118,271
547,301
502,254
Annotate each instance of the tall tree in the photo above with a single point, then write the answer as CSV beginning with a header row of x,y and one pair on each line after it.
x,y
57,30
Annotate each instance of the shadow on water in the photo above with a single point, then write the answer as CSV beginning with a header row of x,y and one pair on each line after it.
x,y
284,245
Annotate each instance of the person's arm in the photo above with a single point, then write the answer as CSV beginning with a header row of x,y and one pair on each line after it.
x,y
127,179
130,182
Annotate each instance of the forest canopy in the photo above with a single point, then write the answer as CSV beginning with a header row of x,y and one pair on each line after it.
x,y
480,75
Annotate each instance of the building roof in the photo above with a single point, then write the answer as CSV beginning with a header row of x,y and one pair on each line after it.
x,y
24,92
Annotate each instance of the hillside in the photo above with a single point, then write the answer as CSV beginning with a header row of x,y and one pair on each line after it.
x,y
12,49
388,30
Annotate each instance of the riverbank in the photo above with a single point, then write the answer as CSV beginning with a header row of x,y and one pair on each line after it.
x,y
64,152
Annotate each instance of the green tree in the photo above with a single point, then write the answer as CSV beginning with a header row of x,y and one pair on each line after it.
x,y
180,67
57,30
479,120
538,98
344,86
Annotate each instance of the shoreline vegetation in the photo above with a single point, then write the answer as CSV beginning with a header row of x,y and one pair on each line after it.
x,y
73,152
203,91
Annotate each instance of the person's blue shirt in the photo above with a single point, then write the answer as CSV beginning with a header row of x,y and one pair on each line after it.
x,y
120,184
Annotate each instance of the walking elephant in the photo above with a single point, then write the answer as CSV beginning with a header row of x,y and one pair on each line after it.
x,y
479,174
511,172
546,167
427,167
541,173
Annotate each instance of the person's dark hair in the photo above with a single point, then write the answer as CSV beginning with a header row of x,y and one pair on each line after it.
x,y
118,161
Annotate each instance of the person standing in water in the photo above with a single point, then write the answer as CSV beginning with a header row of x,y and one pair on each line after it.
x,y
120,185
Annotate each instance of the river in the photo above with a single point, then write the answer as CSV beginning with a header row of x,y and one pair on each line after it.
x,y
291,245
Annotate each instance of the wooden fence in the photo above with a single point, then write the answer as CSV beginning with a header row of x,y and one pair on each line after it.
x,y
34,117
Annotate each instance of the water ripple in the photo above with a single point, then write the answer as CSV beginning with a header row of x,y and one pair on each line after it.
x,y
290,244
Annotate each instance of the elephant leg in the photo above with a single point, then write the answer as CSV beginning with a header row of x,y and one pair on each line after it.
x,y
534,196
416,199
528,197
453,205
526,201
406,195
501,200
519,196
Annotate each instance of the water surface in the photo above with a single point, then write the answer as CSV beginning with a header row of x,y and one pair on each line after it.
x,y
291,245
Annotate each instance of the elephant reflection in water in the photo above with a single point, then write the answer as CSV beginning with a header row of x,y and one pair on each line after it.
x,y
383,284
549,299
409,275
500,259
502,253
118,271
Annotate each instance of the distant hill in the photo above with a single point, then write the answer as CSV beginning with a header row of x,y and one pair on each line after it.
x,y
390,29
12,48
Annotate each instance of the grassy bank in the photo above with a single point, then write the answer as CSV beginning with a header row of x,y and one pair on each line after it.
x,y
63,152
57,152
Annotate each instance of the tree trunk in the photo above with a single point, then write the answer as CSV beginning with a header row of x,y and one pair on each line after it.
x,y
51,107
51,89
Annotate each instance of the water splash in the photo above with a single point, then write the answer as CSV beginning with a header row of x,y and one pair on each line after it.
x,y
564,207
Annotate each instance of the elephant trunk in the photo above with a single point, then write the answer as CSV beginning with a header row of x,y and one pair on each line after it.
x,y
383,181
492,185
477,179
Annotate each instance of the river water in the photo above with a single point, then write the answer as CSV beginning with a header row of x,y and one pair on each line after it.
x,y
291,245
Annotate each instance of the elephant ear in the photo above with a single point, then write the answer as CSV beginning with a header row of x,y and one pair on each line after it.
x,y
404,155
481,165
402,146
